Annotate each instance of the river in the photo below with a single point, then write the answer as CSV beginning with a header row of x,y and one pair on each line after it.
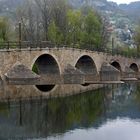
x,y
109,113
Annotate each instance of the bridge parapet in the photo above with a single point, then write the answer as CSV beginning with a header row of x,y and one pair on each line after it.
x,y
30,45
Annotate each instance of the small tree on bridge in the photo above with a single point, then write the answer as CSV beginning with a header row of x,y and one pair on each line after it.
x,y
137,39
4,28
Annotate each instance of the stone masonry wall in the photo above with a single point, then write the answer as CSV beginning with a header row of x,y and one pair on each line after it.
x,y
63,56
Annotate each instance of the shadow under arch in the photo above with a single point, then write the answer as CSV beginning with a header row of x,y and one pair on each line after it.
x,y
87,65
116,65
45,64
134,67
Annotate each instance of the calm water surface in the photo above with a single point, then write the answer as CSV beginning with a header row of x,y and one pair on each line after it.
x,y
111,113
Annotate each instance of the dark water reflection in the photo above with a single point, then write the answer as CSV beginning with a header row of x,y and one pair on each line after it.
x,y
109,113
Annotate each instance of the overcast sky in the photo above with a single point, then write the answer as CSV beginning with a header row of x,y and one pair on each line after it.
x,y
123,1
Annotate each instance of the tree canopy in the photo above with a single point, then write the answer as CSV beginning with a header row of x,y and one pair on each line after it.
x,y
58,22
137,39
3,29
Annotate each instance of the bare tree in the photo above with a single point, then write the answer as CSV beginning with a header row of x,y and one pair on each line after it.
x,y
37,15
59,11
29,18
44,7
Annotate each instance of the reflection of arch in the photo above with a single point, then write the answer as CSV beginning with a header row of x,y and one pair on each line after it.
x,y
86,65
134,67
116,65
45,64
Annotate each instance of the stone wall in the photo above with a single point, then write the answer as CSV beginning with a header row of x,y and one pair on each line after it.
x,y
63,57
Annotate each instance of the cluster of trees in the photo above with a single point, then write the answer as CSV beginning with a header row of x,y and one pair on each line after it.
x,y
60,23
57,21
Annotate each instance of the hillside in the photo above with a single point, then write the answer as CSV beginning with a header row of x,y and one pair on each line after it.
x,y
7,7
132,10
97,4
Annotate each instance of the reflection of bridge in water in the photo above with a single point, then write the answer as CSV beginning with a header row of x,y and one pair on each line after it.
x,y
25,92
54,67
89,110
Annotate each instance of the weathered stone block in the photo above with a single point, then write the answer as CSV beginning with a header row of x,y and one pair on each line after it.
x,y
109,73
20,75
129,73
73,76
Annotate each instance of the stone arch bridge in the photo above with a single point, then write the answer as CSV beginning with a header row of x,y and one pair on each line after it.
x,y
65,66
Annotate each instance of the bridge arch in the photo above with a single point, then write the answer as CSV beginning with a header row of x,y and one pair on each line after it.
x,y
49,54
116,65
134,67
45,64
86,64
